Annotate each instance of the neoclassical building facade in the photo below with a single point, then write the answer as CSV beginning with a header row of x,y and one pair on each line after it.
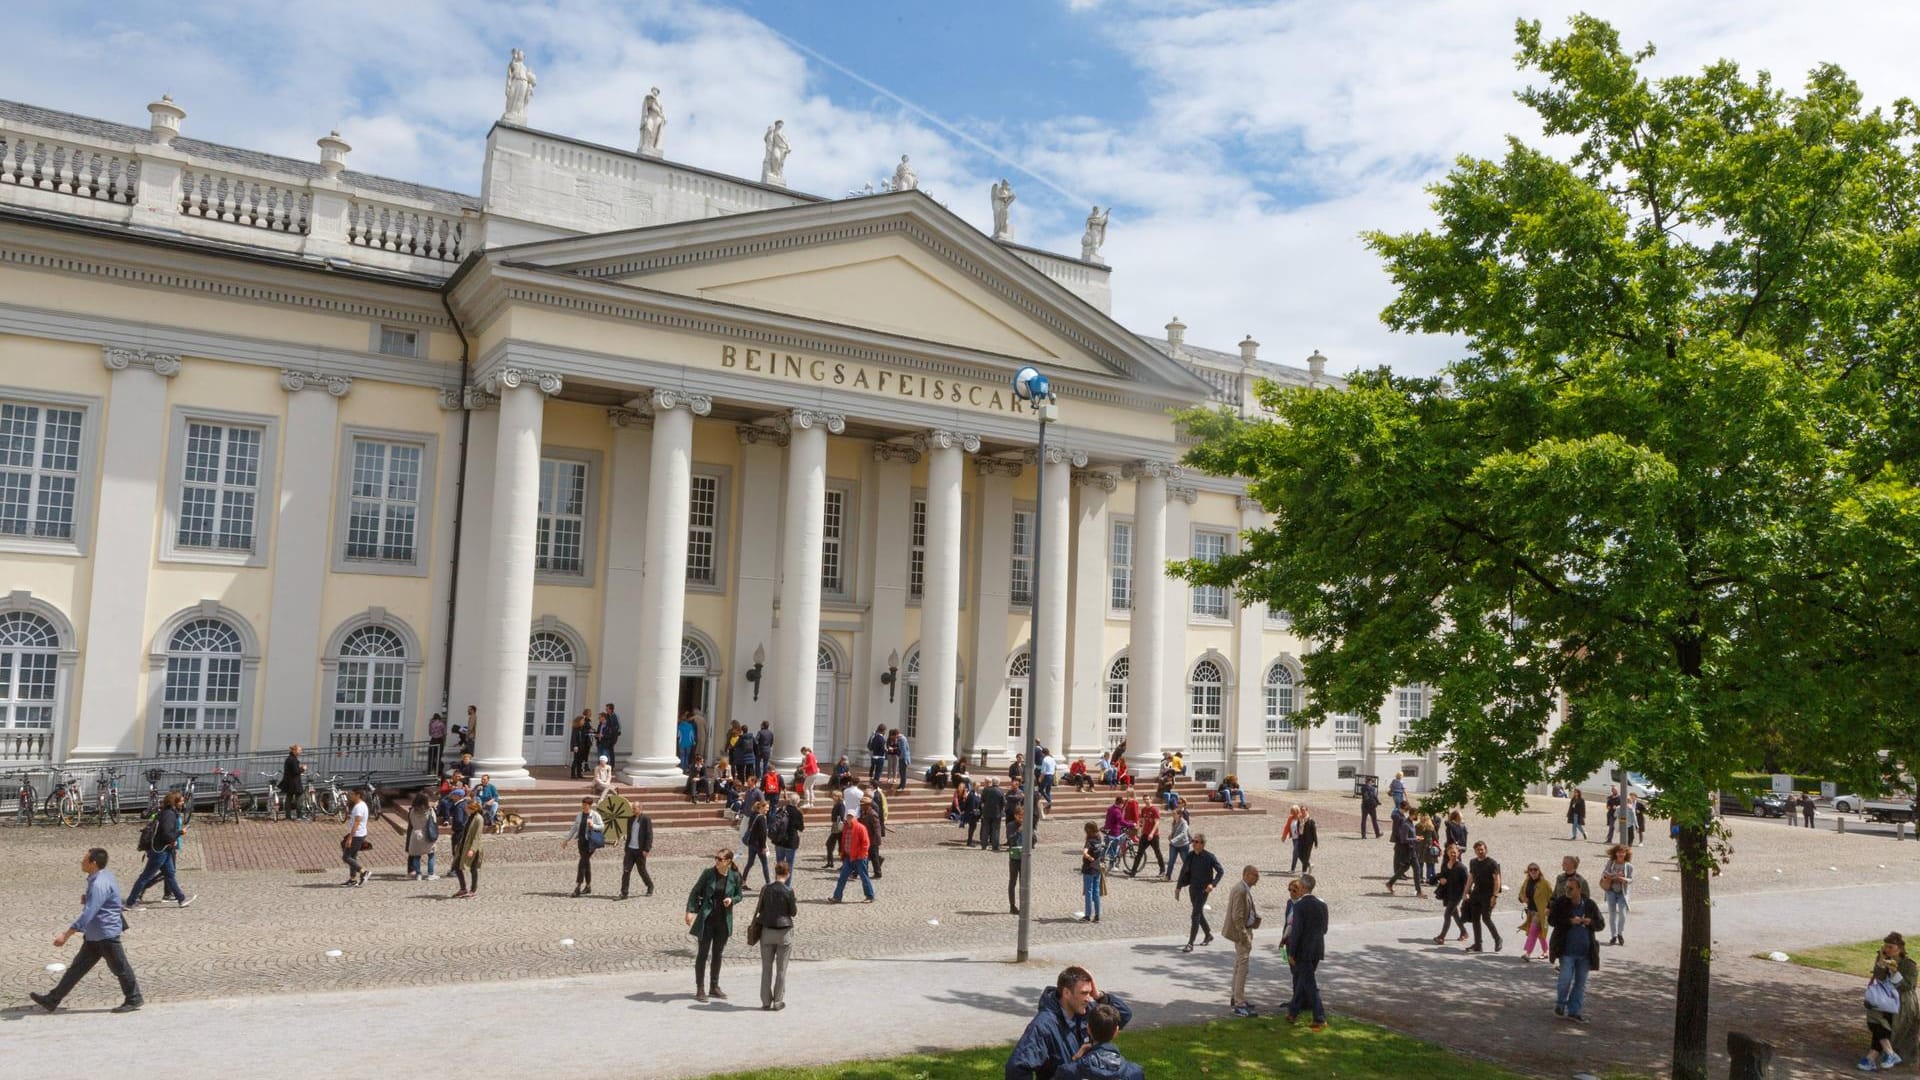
x,y
291,453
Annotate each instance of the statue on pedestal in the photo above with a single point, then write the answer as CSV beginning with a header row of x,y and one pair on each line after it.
x,y
903,176
1002,210
653,119
1096,235
520,83
773,167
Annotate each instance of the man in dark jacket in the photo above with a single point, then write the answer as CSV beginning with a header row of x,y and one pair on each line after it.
x,y
970,806
876,754
993,811
1370,807
1406,849
1058,1029
763,747
293,779
634,852
1198,876
609,732
1100,1059
1575,943
1306,942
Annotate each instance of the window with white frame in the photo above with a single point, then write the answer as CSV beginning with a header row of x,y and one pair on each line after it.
x,y
399,341
833,531
910,713
1279,620
1281,701
1021,582
219,487
917,551
1206,695
1018,671
1410,705
29,671
39,469
560,536
383,510
1209,601
370,685
703,531
1117,676
203,678
1120,567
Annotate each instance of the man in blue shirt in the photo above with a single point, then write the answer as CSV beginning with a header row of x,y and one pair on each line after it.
x,y
100,924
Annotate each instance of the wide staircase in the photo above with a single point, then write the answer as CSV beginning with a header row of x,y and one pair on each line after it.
x,y
554,800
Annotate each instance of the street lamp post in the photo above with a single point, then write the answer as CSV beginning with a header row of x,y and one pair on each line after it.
x,y
1032,387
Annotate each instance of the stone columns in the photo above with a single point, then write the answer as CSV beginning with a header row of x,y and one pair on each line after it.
x,y
663,585
1050,594
756,576
1087,704
511,535
623,616
1247,741
992,601
886,635
796,656
940,590
1146,629
470,593
300,540
1177,659
113,642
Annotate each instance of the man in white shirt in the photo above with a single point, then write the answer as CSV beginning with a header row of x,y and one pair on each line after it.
x,y
851,799
1048,766
355,839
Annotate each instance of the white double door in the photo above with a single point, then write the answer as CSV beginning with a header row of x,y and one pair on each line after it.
x,y
543,734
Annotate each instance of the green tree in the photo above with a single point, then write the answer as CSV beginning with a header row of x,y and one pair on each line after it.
x,y
1666,495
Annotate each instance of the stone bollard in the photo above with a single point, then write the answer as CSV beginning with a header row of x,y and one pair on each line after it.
x,y
1839,823
1900,830
1752,1058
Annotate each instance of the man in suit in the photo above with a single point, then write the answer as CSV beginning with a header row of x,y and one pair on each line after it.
x,y
1306,943
1243,918
763,747
1406,848
993,810
634,853
1199,876
1370,807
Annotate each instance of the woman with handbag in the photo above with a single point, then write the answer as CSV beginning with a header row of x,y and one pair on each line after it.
x,y
423,832
710,920
1889,999
771,930
590,832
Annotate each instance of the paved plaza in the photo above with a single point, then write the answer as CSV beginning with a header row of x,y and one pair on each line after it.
x,y
248,960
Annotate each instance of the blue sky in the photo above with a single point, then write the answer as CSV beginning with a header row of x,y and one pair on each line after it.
x,y
1243,144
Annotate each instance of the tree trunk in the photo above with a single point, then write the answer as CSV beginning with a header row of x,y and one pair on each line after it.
x,y
1696,956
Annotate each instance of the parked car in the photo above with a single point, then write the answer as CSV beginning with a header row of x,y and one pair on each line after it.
x,y
1847,804
1759,804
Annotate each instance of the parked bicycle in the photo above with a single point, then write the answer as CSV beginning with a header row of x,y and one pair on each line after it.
x,y
186,810
271,802
232,801
28,798
369,794
106,797
63,802
330,799
153,793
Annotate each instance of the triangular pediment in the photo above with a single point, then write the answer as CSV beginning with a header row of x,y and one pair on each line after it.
x,y
898,265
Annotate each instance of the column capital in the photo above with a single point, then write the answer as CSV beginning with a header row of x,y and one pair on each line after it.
x,y
121,358
755,434
805,419
295,381
1094,478
666,399
942,439
1055,455
888,451
1248,502
1185,494
471,398
512,378
991,466
619,419
1156,470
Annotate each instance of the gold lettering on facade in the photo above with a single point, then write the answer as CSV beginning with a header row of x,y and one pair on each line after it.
x,y
875,379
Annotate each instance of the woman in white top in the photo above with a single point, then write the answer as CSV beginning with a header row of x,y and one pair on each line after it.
x,y
590,832
1615,880
355,839
602,776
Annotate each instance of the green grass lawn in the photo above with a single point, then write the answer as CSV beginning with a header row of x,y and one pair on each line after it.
x,y
1851,959
1263,1047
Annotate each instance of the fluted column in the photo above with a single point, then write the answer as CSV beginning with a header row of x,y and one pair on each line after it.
x,y
1050,593
1247,739
511,539
940,587
618,666
796,659
663,582
1146,627
992,603
1087,705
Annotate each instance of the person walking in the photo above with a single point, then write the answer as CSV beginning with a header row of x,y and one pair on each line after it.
x,y
1616,882
1536,903
710,920
467,855
1613,812
1306,837
1483,892
162,846
634,851
784,826
589,832
1806,809
1016,850
1457,831
100,925
1450,891
1370,807
423,834
1059,1030
436,742
1575,944
1631,824
1576,815
1306,945
1397,790
1092,857
1569,871
993,812
855,845
1427,848
1148,838
1202,872
355,840
755,838
876,754
1405,850
1179,841
773,922
1243,918
293,776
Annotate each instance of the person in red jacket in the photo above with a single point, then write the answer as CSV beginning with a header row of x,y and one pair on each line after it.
x,y
855,846
1148,837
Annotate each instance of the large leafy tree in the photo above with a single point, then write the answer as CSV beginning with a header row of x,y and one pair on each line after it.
x,y
1662,511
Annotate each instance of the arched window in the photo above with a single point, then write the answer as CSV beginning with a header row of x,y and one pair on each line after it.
x,y
1281,701
1206,722
203,678
910,712
370,686
29,671
1018,669
1117,677
693,656
825,660
546,647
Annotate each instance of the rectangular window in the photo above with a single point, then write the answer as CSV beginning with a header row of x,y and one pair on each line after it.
x,y
1016,711
1279,620
703,531
1412,705
39,470
917,551
384,501
1209,601
1021,582
395,341
219,487
833,523
560,539
1120,567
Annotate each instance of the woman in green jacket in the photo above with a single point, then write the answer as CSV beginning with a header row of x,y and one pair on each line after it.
x,y
1906,1023
466,851
710,919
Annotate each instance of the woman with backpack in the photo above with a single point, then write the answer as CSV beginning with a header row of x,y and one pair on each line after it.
x,y
590,831
423,832
159,840
710,920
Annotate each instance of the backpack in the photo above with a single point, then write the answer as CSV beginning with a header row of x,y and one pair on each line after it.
x,y
147,833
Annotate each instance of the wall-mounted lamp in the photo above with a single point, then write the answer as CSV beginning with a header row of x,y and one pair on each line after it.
x,y
759,666
893,674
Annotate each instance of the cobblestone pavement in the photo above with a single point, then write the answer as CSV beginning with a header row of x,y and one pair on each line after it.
x,y
267,932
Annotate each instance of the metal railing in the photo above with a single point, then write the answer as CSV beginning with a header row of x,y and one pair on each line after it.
x,y
387,758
